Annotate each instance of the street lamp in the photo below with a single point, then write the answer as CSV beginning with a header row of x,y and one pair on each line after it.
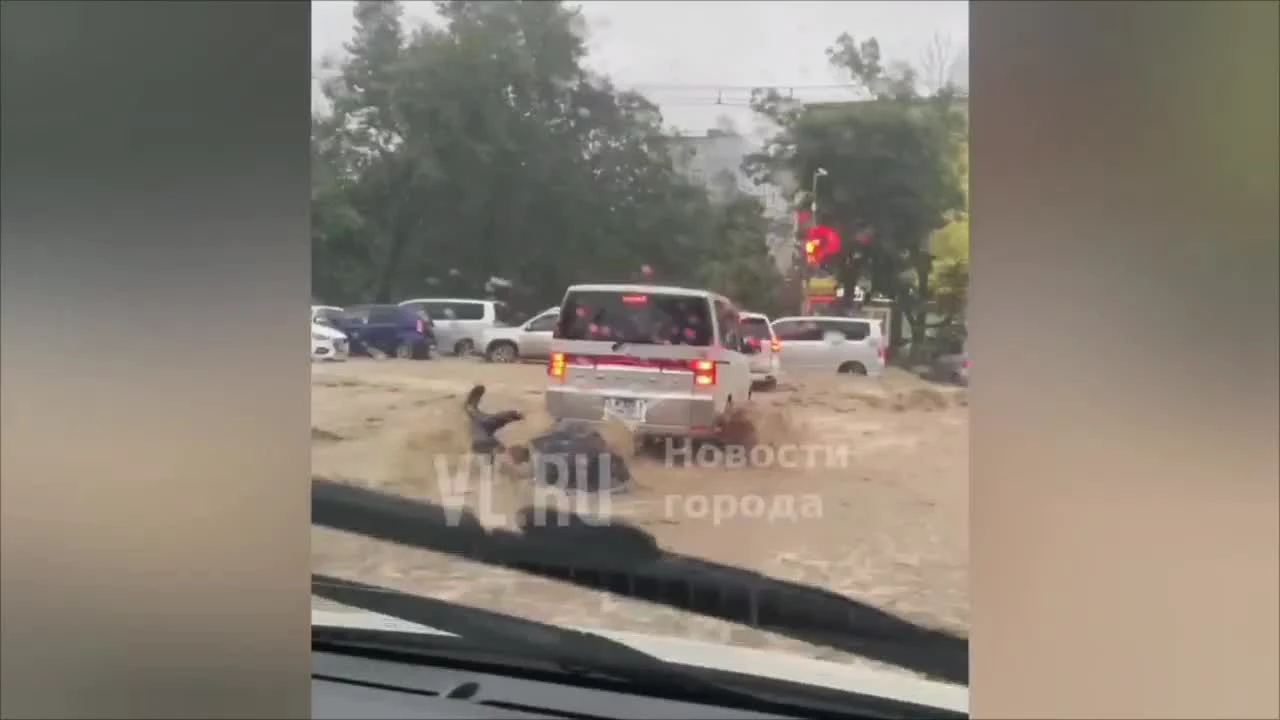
x,y
813,192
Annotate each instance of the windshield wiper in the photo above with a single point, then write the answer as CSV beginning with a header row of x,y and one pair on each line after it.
x,y
624,560
573,651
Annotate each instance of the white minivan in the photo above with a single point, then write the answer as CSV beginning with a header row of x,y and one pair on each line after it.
x,y
663,360
460,323
831,344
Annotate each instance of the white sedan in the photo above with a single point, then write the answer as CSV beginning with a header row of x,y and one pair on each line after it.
x,y
328,343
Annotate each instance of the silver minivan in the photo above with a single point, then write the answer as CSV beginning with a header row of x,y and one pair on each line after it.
x,y
831,344
460,323
662,360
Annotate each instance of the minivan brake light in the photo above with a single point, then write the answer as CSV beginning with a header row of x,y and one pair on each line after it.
x,y
704,373
556,367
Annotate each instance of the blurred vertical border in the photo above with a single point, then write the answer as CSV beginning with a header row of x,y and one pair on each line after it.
x,y
155,391
1123,321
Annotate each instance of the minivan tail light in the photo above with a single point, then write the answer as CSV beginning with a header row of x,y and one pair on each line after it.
x,y
704,373
556,367
422,327
775,345
882,353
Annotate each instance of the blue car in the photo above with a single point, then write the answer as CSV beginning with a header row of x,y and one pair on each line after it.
x,y
388,330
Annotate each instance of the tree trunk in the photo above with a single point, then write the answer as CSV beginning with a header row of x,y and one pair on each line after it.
x,y
849,273
895,326
386,278
920,319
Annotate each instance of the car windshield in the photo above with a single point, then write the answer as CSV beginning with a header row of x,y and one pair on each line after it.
x,y
493,162
636,318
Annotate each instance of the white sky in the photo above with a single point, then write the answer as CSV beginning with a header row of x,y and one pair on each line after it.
x,y
688,56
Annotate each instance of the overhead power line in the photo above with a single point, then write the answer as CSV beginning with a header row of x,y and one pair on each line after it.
x,y
675,94
737,88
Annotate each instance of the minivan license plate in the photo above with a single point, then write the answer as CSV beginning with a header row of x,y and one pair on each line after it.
x,y
624,409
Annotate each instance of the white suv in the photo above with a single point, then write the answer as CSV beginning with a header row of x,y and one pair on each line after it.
x,y
460,324
662,360
831,344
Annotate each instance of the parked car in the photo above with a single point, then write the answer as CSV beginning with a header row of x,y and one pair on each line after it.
x,y
952,367
387,330
664,360
325,314
530,341
327,343
766,367
824,343
460,324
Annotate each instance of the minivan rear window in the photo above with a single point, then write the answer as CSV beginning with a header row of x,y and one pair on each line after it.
x,y
755,327
637,318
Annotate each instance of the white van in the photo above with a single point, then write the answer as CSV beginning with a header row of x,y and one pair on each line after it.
x,y
831,344
460,323
663,360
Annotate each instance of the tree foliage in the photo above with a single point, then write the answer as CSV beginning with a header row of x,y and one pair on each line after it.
x,y
950,248
479,146
892,171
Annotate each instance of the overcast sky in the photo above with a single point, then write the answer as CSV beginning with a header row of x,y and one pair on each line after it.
x,y
698,60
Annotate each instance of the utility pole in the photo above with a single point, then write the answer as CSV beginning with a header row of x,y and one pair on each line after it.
x,y
805,271
798,259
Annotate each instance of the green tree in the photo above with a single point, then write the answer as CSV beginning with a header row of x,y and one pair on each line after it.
x,y
950,248
890,172
481,146
741,267
364,175
574,179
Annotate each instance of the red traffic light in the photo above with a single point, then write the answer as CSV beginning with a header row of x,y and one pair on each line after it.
x,y
821,242
812,252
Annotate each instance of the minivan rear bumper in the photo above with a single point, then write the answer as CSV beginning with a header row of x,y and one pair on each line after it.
x,y
667,413
769,369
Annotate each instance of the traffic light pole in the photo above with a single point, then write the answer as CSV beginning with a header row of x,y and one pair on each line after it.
x,y
806,270
803,272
